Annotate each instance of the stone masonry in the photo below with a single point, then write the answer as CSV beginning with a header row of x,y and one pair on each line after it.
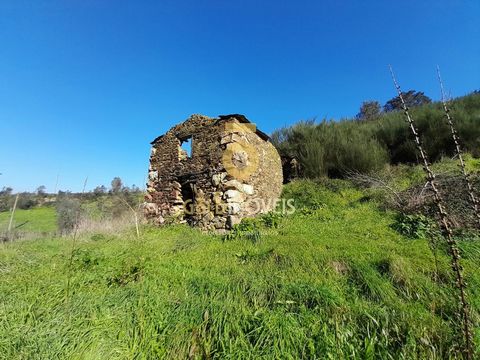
x,y
233,172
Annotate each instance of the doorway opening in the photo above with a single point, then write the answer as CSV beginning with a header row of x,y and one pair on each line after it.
x,y
188,197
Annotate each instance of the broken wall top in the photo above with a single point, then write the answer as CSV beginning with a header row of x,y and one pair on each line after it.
x,y
197,121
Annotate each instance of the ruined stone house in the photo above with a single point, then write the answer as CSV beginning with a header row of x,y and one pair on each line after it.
x,y
231,171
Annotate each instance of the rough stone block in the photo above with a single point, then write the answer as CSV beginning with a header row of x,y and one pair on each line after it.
x,y
234,208
218,178
248,189
233,220
233,184
234,196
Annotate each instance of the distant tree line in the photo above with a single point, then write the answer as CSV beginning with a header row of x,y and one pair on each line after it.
x,y
378,136
101,203
26,200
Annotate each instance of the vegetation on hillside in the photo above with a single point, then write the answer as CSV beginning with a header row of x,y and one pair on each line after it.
x,y
335,148
334,280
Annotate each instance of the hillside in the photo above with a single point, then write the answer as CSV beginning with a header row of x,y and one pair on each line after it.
x,y
335,148
331,281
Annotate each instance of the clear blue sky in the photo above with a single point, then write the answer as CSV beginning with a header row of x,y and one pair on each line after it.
x,y
85,85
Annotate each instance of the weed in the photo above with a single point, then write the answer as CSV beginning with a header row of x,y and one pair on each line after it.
x,y
247,229
271,220
128,273
412,226
84,258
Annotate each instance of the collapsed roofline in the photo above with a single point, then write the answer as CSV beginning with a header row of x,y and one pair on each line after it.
x,y
241,118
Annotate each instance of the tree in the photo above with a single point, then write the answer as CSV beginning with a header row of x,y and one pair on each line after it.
x,y
41,190
117,185
369,110
68,212
412,98
5,198
135,189
6,191
99,190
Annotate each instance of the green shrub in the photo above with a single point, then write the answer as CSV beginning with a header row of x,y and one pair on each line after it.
x,y
412,226
6,198
331,148
84,258
68,212
130,272
271,219
26,201
248,229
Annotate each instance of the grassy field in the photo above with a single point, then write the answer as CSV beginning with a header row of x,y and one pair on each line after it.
x,y
332,281
38,220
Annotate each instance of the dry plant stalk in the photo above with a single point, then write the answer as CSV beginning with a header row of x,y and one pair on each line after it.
x,y
446,231
376,182
74,243
135,215
10,223
115,225
456,140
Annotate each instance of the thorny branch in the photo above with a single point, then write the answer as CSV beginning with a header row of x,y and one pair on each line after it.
x,y
459,153
445,228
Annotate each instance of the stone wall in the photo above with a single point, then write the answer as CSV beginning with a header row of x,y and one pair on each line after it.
x,y
234,172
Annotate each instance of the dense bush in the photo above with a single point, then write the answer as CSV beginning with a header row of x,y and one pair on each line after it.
x,y
335,148
5,198
68,212
26,201
331,148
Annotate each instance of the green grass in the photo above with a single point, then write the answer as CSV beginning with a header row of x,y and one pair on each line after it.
x,y
332,281
39,220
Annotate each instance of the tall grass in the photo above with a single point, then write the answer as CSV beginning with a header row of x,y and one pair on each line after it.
x,y
331,281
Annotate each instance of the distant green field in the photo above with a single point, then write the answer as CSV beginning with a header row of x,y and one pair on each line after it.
x,y
332,281
39,220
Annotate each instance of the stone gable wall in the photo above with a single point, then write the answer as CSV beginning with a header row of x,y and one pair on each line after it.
x,y
221,196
